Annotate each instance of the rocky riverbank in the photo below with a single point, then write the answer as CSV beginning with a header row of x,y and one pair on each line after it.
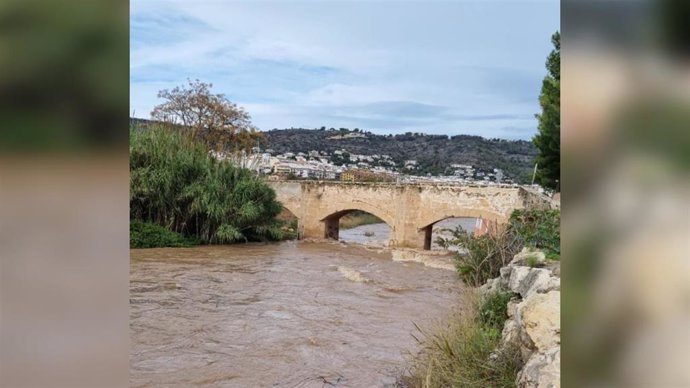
x,y
534,325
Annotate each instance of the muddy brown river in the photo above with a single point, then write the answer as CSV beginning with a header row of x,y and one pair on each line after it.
x,y
279,315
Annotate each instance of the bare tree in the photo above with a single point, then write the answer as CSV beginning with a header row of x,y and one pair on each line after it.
x,y
223,124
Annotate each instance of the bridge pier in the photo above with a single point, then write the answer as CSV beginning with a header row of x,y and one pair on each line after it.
x,y
332,228
427,237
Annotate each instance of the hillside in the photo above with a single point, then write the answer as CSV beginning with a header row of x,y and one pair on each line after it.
x,y
434,153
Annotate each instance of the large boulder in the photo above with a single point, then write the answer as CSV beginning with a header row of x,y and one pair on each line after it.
x,y
542,370
527,281
539,317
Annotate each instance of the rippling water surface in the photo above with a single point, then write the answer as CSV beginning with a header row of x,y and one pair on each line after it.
x,y
280,315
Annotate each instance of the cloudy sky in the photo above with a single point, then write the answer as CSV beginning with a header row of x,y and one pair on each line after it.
x,y
457,67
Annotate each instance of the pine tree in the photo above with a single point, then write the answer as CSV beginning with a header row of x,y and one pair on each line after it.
x,y
548,140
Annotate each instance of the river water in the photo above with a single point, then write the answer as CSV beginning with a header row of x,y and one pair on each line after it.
x,y
292,314
378,234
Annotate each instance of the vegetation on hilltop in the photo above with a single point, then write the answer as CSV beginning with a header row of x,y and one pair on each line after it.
x,y
434,153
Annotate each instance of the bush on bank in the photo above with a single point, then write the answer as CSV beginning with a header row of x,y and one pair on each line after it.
x,y
484,255
148,235
539,229
177,184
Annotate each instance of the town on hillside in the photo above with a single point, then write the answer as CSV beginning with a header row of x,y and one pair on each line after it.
x,y
344,166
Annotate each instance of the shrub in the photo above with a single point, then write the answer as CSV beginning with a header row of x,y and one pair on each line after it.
x,y
493,310
539,229
484,255
148,235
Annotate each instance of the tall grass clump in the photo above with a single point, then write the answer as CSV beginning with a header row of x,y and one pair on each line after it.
x,y
465,353
177,184
483,256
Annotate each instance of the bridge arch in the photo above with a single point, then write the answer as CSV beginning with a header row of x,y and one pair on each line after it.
x,y
429,220
331,221
291,208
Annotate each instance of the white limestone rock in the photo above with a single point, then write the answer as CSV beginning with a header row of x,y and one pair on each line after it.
x,y
540,319
527,281
510,336
533,326
512,308
491,286
543,370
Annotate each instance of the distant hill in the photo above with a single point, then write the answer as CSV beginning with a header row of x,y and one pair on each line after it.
x,y
434,153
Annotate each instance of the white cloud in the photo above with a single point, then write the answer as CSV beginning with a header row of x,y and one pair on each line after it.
x,y
333,64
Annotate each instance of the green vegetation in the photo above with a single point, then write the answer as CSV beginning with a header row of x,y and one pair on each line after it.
x,y
548,140
539,229
487,253
148,235
175,183
358,218
532,261
493,309
289,229
466,352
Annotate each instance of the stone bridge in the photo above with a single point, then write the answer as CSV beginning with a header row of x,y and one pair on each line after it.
x,y
410,210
